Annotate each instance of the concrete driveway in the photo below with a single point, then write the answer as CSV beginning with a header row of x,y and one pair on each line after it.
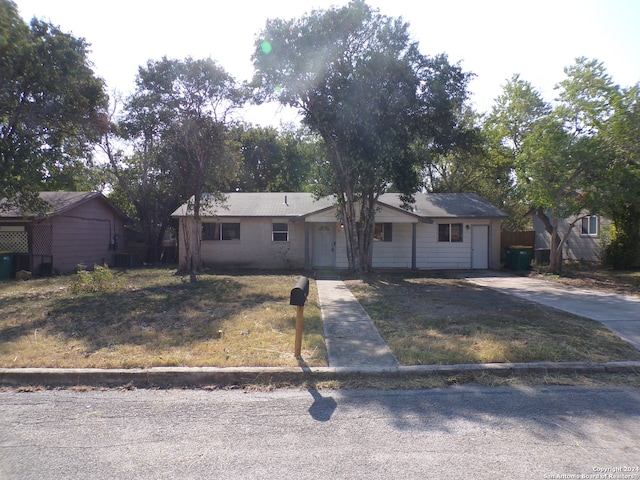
x,y
619,313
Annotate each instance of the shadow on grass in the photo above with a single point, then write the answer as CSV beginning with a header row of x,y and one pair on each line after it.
x,y
160,316
432,319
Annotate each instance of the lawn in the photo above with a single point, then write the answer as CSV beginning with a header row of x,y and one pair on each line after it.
x,y
152,317
432,319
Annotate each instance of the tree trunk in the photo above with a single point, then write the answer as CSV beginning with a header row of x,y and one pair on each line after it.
x,y
551,227
350,223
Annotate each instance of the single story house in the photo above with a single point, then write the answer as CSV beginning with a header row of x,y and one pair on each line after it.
x,y
295,230
583,243
77,228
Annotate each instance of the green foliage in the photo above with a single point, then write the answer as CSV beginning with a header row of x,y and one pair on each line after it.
x,y
619,249
274,161
176,122
51,107
100,280
364,88
619,181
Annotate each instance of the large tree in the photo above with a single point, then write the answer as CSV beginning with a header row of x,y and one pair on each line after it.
x,y
363,86
178,121
52,108
563,154
511,119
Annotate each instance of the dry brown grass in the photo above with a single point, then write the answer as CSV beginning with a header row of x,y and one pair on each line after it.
x,y
151,317
432,319
154,318
593,277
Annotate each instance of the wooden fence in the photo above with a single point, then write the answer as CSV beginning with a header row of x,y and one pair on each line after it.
x,y
516,238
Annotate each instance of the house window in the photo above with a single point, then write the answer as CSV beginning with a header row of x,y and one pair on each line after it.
x,y
280,232
220,231
450,232
382,232
590,225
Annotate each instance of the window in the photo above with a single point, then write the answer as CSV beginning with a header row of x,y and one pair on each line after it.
x,y
450,232
382,232
590,225
220,231
280,232
210,231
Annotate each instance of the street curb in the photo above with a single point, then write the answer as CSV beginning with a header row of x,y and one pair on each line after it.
x,y
168,377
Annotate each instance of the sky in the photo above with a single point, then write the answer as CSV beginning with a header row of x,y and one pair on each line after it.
x,y
494,39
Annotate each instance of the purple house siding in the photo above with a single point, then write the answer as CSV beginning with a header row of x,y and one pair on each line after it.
x,y
84,235
81,228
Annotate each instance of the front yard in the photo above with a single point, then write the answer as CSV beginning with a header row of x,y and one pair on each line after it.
x,y
152,317
433,319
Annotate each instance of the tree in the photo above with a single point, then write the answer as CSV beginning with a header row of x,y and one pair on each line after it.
x,y
52,108
563,153
619,183
177,117
143,186
511,120
553,178
272,160
364,87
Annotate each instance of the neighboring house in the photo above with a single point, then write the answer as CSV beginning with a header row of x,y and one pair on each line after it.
x,y
78,228
583,243
293,230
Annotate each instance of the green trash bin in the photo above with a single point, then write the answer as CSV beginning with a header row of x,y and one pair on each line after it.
x,y
6,260
518,257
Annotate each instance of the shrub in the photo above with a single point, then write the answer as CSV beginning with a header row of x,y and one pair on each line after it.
x,y
617,249
101,279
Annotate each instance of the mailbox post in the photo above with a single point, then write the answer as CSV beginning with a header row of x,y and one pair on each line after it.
x,y
298,297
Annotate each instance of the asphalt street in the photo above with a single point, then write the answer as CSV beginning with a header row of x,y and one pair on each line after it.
x,y
460,432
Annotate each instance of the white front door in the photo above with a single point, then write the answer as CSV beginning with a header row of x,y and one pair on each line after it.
x,y
480,246
324,244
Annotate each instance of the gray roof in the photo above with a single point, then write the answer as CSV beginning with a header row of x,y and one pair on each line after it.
x,y
59,203
448,205
261,204
300,204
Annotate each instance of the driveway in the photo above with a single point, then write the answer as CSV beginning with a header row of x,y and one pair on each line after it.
x,y
619,313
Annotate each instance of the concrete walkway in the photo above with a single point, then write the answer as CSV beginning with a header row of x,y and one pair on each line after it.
x,y
351,338
619,313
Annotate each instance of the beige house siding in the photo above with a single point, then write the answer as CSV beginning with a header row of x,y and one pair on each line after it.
x,y
434,255
397,252
256,247
431,254
494,243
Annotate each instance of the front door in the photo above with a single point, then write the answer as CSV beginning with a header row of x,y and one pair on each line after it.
x,y
480,246
324,244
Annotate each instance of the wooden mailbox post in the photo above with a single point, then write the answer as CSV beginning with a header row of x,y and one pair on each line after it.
x,y
298,297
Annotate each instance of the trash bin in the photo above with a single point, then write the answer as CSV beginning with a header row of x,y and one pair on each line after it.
x,y
6,261
518,257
